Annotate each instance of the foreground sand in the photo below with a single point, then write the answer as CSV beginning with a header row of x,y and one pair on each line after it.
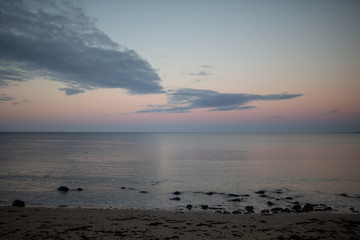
x,y
44,223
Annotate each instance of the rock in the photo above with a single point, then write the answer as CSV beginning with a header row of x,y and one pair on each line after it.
x,y
18,203
249,209
288,198
351,209
263,195
286,210
236,212
245,195
145,192
296,203
204,207
343,195
307,208
297,208
233,195
209,193
175,199
123,187
328,209
63,189
226,212
79,189
189,206
177,193
270,203
265,211
260,192
277,209
236,200
218,211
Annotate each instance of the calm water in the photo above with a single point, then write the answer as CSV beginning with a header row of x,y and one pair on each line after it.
x,y
113,168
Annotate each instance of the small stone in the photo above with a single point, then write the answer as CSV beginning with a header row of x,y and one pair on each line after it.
x,y
204,207
288,198
143,192
63,189
209,193
79,189
177,193
297,207
235,200
277,209
269,203
189,206
18,203
233,195
236,212
260,192
263,195
175,199
226,212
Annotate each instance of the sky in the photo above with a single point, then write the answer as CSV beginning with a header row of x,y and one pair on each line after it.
x,y
180,66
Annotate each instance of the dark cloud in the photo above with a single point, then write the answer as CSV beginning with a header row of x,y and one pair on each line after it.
x,y
71,91
5,98
58,40
8,75
187,99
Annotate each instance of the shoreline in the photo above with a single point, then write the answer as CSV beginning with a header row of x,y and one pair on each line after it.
x,y
75,223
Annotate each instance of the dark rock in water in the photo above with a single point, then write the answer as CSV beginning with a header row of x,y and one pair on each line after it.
x,y
236,212
63,189
297,207
343,195
204,207
189,206
245,195
249,209
226,212
79,189
288,198
277,209
18,203
296,203
260,192
218,211
177,193
270,203
351,209
328,209
307,208
265,211
263,195
279,192
236,200
175,199
286,210
123,187
209,193
143,192
233,195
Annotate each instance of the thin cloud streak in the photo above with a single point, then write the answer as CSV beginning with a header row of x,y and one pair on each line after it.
x,y
57,40
187,99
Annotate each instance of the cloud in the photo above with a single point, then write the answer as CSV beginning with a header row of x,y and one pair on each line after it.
x,y
57,40
71,91
200,73
21,102
5,98
332,112
187,99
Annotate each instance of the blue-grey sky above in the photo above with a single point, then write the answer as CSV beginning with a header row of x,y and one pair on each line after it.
x,y
179,65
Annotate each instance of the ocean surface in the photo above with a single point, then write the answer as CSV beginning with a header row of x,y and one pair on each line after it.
x,y
142,170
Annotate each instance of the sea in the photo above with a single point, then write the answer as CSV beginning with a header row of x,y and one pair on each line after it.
x,y
226,171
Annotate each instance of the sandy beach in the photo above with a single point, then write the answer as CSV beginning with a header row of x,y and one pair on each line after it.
x,y
63,223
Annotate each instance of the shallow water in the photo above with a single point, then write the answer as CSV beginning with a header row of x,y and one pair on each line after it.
x,y
113,168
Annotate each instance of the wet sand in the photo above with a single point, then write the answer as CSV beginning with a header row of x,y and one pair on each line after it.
x,y
63,223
